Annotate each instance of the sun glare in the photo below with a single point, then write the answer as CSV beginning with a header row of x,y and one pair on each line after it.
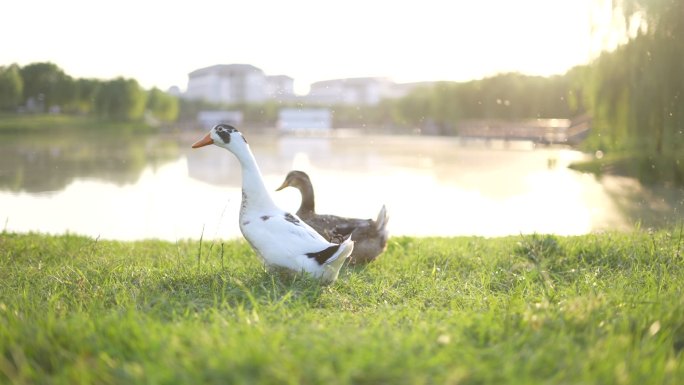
x,y
406,42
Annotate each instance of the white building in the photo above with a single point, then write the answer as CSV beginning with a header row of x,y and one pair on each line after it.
x,y
304,119
245,83
279,87
209,119
227,83
367,91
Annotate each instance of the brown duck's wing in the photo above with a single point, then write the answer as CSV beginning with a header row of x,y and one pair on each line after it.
x,y
359,229
332,227
357,226
369,236
323,224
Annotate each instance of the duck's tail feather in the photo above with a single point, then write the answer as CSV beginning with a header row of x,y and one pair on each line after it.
x,y
332,266
381,222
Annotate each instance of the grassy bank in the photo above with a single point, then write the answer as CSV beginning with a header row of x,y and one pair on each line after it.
x,y
595,309
17,123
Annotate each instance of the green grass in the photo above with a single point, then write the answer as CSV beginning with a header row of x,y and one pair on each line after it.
x,y
595,309
23,123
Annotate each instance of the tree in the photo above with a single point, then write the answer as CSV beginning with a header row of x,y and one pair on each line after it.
x,y
86,91
635,92
162,105
44,85
510,96
11,87
120,99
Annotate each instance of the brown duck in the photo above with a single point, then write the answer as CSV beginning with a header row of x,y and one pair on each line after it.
x,y
369,236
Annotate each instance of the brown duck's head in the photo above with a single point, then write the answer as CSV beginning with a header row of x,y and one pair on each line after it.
x,y
297,179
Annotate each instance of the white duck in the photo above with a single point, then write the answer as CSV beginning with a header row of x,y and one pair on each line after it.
x,y
281,239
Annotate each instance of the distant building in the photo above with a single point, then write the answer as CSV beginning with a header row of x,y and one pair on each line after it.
x,y
368,91
209,119
307,119
245,83
399,90
227,83
174,91
279,87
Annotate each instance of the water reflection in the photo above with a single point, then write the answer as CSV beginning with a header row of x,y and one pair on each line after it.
x,y
50,162
645,206
134,187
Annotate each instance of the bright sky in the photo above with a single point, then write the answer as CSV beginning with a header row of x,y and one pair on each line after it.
x,y
159,42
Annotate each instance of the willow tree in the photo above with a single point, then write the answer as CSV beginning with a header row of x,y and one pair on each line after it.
x,y
636,92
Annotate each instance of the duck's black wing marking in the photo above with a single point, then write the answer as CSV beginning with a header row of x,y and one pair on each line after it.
x,y
322,256
292,219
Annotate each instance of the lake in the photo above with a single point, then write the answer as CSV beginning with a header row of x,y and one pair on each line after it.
x,y
130,186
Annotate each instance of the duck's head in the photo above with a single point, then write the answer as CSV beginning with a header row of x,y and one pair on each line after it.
x,y
297,179
222,135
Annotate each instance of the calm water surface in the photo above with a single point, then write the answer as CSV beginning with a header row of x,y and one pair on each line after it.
x,y
129,187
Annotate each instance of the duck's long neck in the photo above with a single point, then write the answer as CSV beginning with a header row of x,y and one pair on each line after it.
x,y
308,204
254,193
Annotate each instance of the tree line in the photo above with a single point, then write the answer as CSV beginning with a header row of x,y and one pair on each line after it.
x,y
44,87
634,94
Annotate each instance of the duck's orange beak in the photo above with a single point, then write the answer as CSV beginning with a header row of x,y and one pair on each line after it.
x,y
205,141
